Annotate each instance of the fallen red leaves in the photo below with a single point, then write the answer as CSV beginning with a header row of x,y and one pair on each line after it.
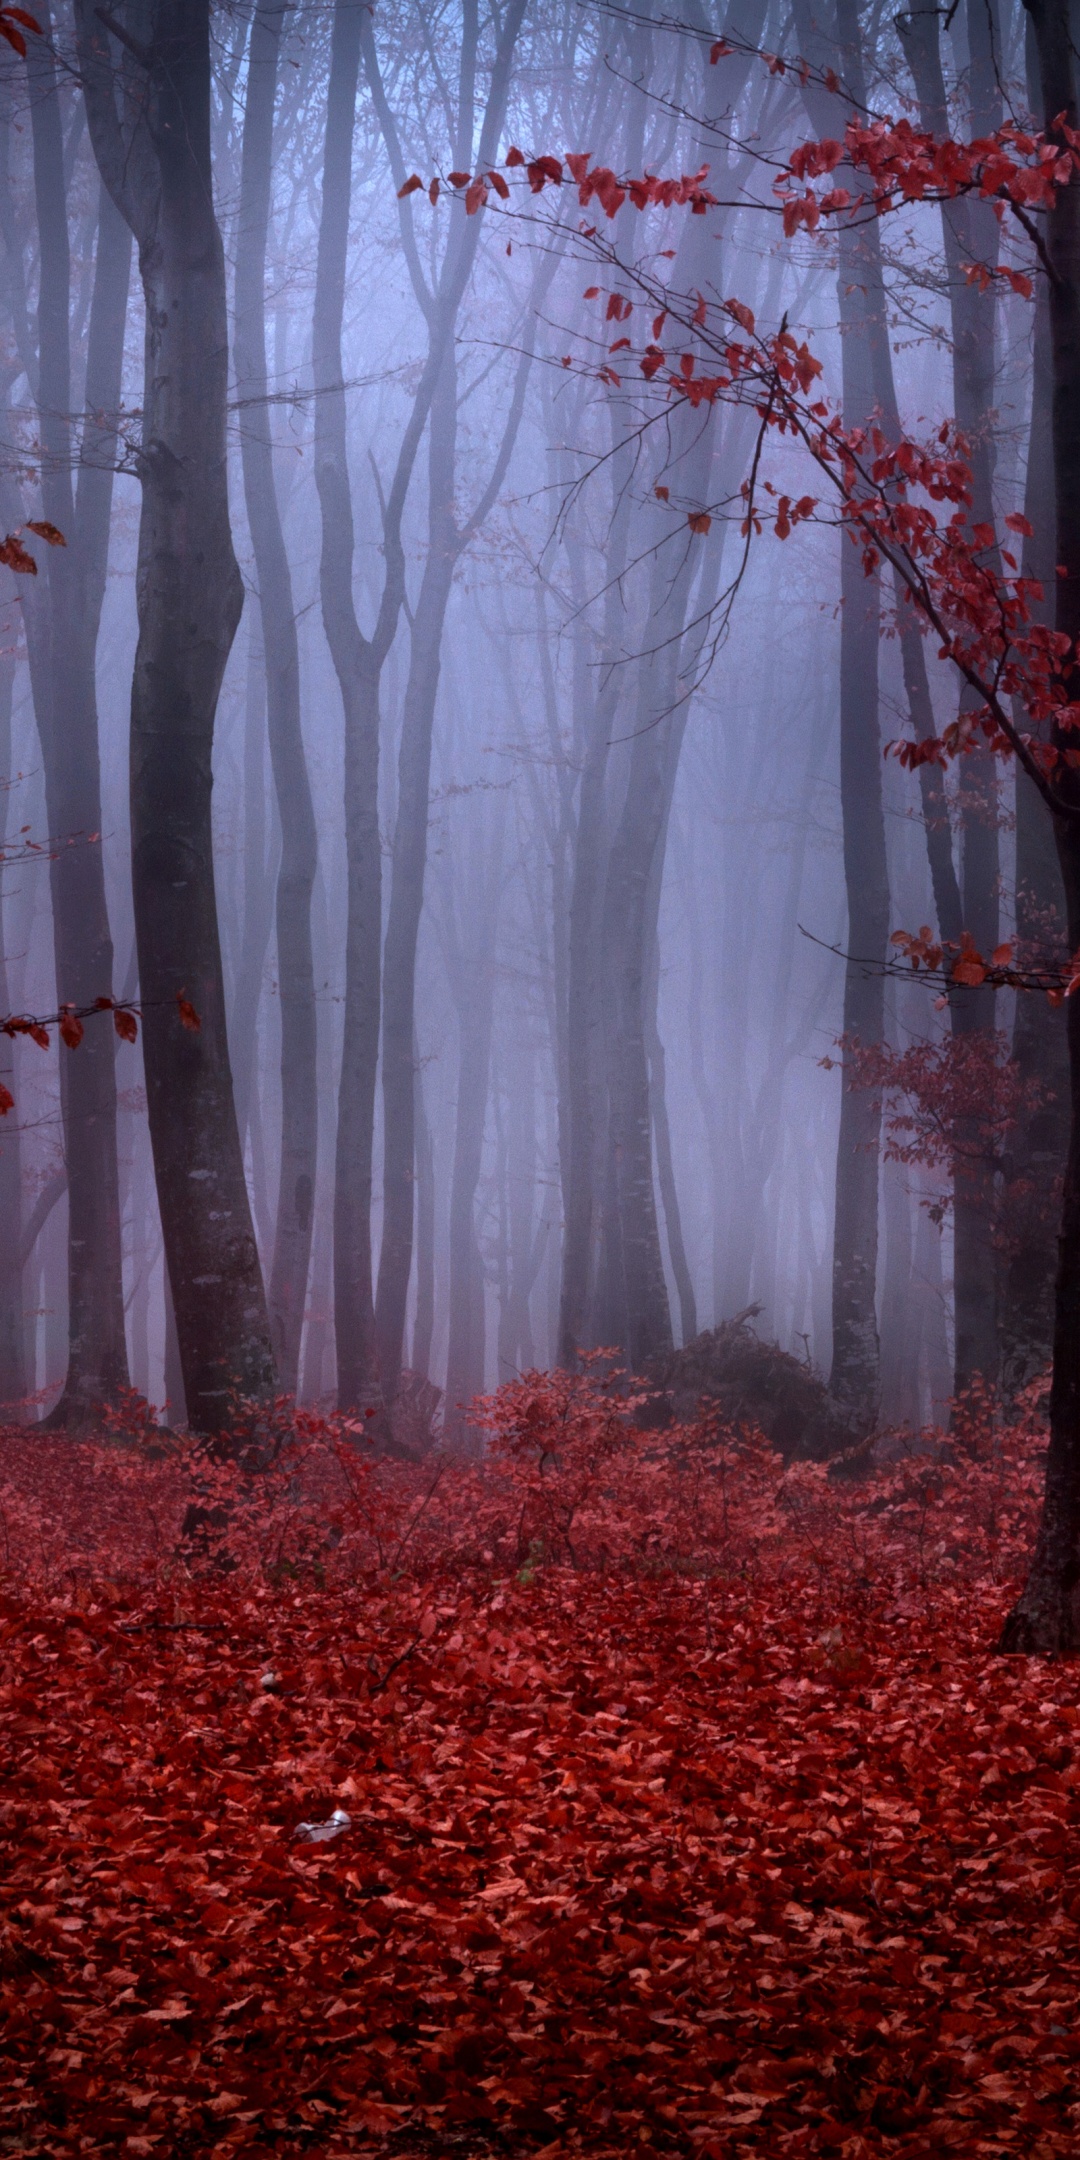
x,y
763,1852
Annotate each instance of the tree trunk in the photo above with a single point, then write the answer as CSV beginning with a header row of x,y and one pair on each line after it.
x,y
446,543
970,235
854,1377
189,599
424,1324
854,1374
1046,1618
12,1359
407,885
65,700
1040,1140
255,897
472,975
296,874
583,1119
357,668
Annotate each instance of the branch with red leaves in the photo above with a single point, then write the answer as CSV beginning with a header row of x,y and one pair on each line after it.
x,y
68,1022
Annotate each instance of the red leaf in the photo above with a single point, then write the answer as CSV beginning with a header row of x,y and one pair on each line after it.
x,y
699,521
188,1014
7,1100
125,1023
71,1028
12,551
412,183
46,531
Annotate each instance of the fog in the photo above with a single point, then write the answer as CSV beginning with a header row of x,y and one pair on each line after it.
x,y
555,842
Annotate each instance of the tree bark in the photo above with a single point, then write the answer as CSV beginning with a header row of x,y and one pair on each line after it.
x,y
1040,1141
155,160
296,873
970,234
62,637
1046,1618
12,1355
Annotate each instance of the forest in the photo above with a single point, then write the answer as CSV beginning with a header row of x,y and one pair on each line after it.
x,y
539,1078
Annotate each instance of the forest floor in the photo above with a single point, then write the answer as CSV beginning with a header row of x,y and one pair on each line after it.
x,y
719,1829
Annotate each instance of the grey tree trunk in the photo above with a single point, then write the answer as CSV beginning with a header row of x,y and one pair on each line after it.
x,y
62,640
296,874
854,1376
154,155
472,978
583,1310
447,541
424,1325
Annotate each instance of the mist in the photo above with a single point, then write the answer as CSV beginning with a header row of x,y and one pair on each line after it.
x,y
549,826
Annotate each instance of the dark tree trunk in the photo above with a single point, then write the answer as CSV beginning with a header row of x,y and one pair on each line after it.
x,y
12,1358
1046,1618
296,874
155,160
970,235
65,699
1039,1143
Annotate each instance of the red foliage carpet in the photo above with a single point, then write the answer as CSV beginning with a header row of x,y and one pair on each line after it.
x,y
753,1848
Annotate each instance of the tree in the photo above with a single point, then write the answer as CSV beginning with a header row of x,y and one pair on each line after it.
x,y
62,616
150,128
296,875
358,662
448,537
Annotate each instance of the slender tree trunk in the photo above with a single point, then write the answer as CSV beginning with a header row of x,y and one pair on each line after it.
x,y
424,1324
357,664
854,1377
971,235
296,875
473,981
665,1171
592,1304
66,705
1046,1618
407,885
446,543
12,1360
256,894
156,163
